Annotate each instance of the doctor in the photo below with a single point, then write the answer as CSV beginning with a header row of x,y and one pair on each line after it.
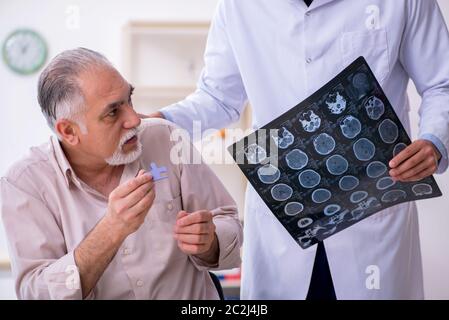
x,y
277,53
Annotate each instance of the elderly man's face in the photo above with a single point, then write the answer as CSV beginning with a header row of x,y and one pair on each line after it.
x,y
110,118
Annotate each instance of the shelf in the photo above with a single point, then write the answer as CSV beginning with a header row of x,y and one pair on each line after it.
x,y
164,54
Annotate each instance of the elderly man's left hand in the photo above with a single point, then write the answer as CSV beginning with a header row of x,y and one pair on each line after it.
x,y
416,162
195,232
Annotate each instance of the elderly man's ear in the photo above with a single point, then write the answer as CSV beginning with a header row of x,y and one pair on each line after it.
x,y
68,131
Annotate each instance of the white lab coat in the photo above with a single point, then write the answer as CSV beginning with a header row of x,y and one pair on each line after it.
x,y
275,53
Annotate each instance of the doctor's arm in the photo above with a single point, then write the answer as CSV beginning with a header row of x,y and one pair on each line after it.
x,y
220,97
424,49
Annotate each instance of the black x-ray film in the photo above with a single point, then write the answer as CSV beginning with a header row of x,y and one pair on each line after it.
x,y
332,153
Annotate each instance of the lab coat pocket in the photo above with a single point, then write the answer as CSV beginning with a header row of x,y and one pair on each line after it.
x,y
372,45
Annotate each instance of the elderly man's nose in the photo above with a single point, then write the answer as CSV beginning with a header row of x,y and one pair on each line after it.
x,y
133,119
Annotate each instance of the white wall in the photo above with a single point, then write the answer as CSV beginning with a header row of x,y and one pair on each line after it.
x,y
22,124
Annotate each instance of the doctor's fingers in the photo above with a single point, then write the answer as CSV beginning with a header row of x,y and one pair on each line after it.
x,y
125,189
406,154
421,175
410,163
411,174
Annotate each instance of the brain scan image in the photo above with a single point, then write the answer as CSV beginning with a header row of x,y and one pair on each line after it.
x,y
375,108
293,208
331,209
337,165
360,81
336,103
388,131
350,127
422,189
385,183
364,149
394,196
327,166
348,183
306,240
365,207
310,121
321,195
268,174
358,196
309,179
334,220
284,139
305,222
324,144
255,153
376,169
296,159
281,192
399,148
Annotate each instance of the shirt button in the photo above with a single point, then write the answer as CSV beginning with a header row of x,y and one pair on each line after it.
x,y
169,206
308,13
126,251
139,283
309,60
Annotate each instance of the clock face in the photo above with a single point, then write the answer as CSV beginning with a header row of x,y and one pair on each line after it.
x,y
24,51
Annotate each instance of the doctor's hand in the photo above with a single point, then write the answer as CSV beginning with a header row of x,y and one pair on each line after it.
x,y
416,162
152,115
195,233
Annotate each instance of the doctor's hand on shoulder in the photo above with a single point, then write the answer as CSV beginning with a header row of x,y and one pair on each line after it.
x,y
416,162
152,115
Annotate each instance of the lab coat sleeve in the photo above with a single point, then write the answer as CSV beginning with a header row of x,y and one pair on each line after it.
x,y
424,52
202,190
220,97
41,266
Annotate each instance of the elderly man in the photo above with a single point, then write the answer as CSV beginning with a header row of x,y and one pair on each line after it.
x,y
85,219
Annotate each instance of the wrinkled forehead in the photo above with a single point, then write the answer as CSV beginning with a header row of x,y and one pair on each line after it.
x,y
102,85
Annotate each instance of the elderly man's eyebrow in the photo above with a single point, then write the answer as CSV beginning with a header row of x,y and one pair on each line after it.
x,y
116,104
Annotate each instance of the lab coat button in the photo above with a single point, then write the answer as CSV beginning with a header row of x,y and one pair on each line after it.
x,y
169,206
139,283
309,60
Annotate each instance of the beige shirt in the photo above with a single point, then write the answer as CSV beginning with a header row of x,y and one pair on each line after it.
x,y
47,211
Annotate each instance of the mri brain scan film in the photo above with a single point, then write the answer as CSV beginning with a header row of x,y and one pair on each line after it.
x,y
332,159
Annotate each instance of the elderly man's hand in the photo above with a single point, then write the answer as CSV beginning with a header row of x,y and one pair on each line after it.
x,y
195,232
418,161
129,204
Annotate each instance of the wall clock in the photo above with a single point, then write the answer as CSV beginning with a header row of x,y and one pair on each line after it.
x,y
24,51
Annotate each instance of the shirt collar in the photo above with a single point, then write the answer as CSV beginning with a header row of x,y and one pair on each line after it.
x,y
129,172
62,162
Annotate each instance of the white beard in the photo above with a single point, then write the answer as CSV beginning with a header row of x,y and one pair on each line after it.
x,y
119,157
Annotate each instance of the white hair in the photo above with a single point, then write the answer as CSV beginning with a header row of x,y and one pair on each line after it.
x,y
119,157
59,93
